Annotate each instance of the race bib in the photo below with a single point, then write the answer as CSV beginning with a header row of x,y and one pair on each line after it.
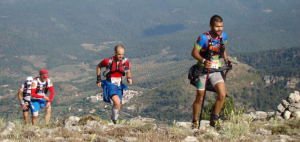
x,y
215,64
116,80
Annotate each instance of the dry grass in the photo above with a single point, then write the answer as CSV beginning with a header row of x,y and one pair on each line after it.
x,y
237,128
238,125
287,128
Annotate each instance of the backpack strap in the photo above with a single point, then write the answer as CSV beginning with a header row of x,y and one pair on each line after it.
x,y
46,89
109,63
25,86
124,62
124,66
208,37
222,46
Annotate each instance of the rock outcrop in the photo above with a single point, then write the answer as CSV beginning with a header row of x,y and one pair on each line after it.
x,y
290,107
288,82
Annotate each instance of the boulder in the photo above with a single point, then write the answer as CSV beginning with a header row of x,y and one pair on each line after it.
x,y
94,124
130,139
185,125
287,114
285,103
259,115
263,131
71,121
284,138
293,98
7,129
280,108
74,128
294,107
296,115
190,139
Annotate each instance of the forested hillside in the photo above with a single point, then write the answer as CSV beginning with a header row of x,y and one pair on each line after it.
x,y
281,62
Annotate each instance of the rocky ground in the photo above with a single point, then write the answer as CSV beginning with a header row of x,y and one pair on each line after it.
x,y
281,125
255,126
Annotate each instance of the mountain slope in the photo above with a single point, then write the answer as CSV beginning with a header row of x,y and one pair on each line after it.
x,y
281,62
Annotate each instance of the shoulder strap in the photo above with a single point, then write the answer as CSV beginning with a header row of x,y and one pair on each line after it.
x,y
25,85
209,40
39,81
209,37
124,62
46,89
46,82
109,63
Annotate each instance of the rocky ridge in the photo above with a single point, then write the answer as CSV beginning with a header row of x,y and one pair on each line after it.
x,y
281,125
249,127
289,82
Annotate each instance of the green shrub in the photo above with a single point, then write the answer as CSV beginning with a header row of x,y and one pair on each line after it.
x,y
238,124
228,107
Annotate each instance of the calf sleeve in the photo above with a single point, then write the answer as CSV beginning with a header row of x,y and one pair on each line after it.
x,y
115,114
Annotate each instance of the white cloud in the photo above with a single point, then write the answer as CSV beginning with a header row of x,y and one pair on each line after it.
x,y
268,10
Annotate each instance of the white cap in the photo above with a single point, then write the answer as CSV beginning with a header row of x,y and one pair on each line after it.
x,y
29,78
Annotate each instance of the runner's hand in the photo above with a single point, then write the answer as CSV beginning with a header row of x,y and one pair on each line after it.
x,y
99,84
228,63
46,98
129,80
207,63
24,106
47,104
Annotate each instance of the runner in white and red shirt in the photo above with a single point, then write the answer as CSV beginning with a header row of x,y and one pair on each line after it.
x,y
39,89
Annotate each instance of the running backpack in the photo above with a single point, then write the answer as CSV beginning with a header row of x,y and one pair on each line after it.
x,y
209,42
108,71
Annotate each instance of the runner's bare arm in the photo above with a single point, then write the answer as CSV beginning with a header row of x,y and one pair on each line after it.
x,y
98,70
128,75
20,93
98,73
226,60
224,55
197,56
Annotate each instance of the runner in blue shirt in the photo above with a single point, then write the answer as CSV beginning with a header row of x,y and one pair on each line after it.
x,y
212,61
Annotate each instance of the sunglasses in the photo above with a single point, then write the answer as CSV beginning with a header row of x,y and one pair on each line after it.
x,y
29,80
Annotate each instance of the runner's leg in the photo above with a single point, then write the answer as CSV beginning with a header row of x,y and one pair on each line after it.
x,y
48,114
221,91
197,105
25,115
116,107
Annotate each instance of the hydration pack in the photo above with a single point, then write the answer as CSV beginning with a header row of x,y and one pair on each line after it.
x,y
108,71
38,86
219,51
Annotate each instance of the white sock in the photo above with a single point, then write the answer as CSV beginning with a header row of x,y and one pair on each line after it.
x,y
114,114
